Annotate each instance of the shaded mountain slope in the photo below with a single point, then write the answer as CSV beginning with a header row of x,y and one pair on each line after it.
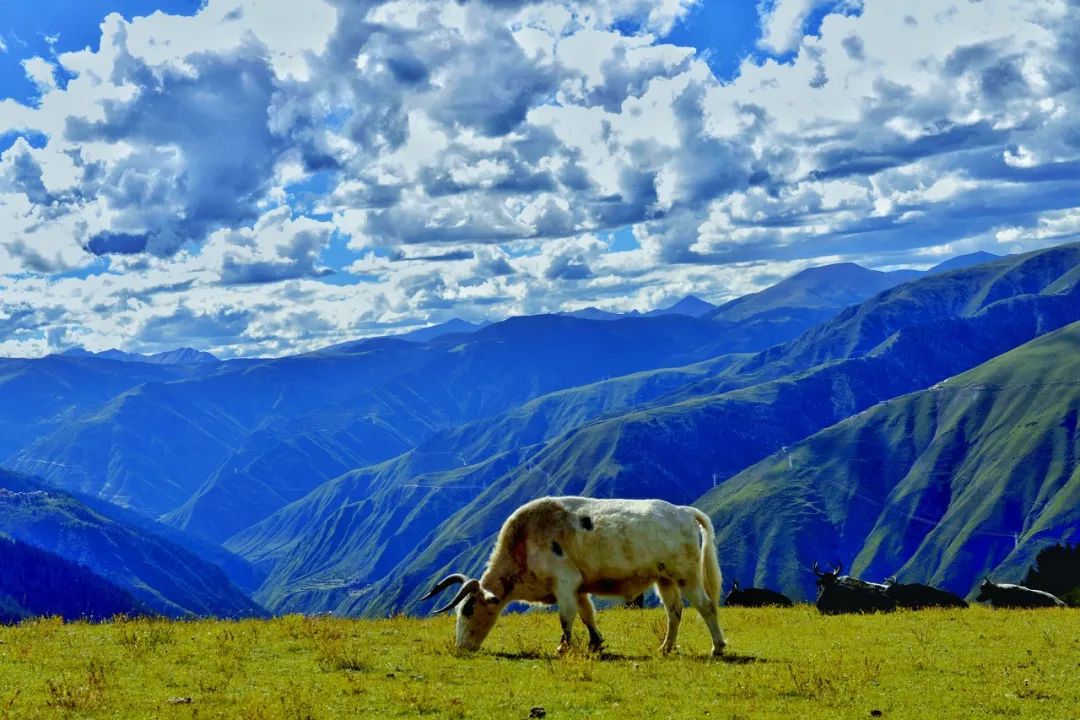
x,y
970,477
217,452
42,392
163,576
463,377
37,583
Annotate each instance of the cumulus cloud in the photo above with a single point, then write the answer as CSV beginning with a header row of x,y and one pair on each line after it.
x,y
41,72
269,176
783,22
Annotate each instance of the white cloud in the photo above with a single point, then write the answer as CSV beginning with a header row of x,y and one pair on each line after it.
x,y
41,72
472,158
783,22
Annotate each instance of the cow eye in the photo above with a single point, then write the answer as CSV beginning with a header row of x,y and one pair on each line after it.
x,y
468,607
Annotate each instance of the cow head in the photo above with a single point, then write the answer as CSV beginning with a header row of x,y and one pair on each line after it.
x,y
735,596
825,579
986,589
477,609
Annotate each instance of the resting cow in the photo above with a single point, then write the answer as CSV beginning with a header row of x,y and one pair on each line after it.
x,y
839,593
559,550
755,597
916,596
1003,595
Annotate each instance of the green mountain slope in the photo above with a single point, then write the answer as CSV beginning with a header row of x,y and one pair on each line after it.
x,y
972,476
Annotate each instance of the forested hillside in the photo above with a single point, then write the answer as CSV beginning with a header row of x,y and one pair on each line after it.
x,y
34,583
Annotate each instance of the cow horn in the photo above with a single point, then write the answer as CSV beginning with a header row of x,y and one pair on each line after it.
x,y
839,568
817,570
445,583
468,588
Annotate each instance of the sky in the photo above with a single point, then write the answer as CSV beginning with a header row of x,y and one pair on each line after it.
x,y
263,177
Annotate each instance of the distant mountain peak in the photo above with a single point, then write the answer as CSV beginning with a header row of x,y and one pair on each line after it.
x,y
962,261
825,289
453,326
690,305
835,270
179,356
592,313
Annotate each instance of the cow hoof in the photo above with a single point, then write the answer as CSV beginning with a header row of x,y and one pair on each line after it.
x,y
596,647
562,648
664,650
718,651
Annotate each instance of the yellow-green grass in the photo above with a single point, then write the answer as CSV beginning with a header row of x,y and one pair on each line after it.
x,y
974,663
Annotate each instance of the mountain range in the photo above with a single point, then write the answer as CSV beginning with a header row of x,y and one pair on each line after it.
x,y
341,480
673,443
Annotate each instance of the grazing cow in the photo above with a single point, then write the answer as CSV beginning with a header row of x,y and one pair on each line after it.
x,y
1003,595
755,597
559,550
916,596
839,593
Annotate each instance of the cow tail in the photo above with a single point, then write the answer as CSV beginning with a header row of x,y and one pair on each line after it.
x,y
710,565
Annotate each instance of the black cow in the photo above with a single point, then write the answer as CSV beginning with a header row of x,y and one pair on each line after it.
x,y
839,593
916,596
755,597
1003,595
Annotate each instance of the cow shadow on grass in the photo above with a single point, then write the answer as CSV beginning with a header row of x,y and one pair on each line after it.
x,y
610,656
734,659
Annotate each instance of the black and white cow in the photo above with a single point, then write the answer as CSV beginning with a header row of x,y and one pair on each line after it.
x,y
1003,595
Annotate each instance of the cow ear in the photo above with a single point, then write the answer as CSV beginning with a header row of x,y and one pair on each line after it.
x,y
491,598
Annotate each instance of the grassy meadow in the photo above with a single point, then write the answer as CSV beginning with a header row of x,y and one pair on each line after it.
x,y
974,663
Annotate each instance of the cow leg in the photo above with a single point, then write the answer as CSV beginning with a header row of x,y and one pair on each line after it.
x,y
567,612
672,598
701,602
588,616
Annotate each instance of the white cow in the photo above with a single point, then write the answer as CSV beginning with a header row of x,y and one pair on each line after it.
x,y
559,550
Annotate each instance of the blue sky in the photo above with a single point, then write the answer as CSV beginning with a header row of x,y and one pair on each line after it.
x,y
268,177
47,28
